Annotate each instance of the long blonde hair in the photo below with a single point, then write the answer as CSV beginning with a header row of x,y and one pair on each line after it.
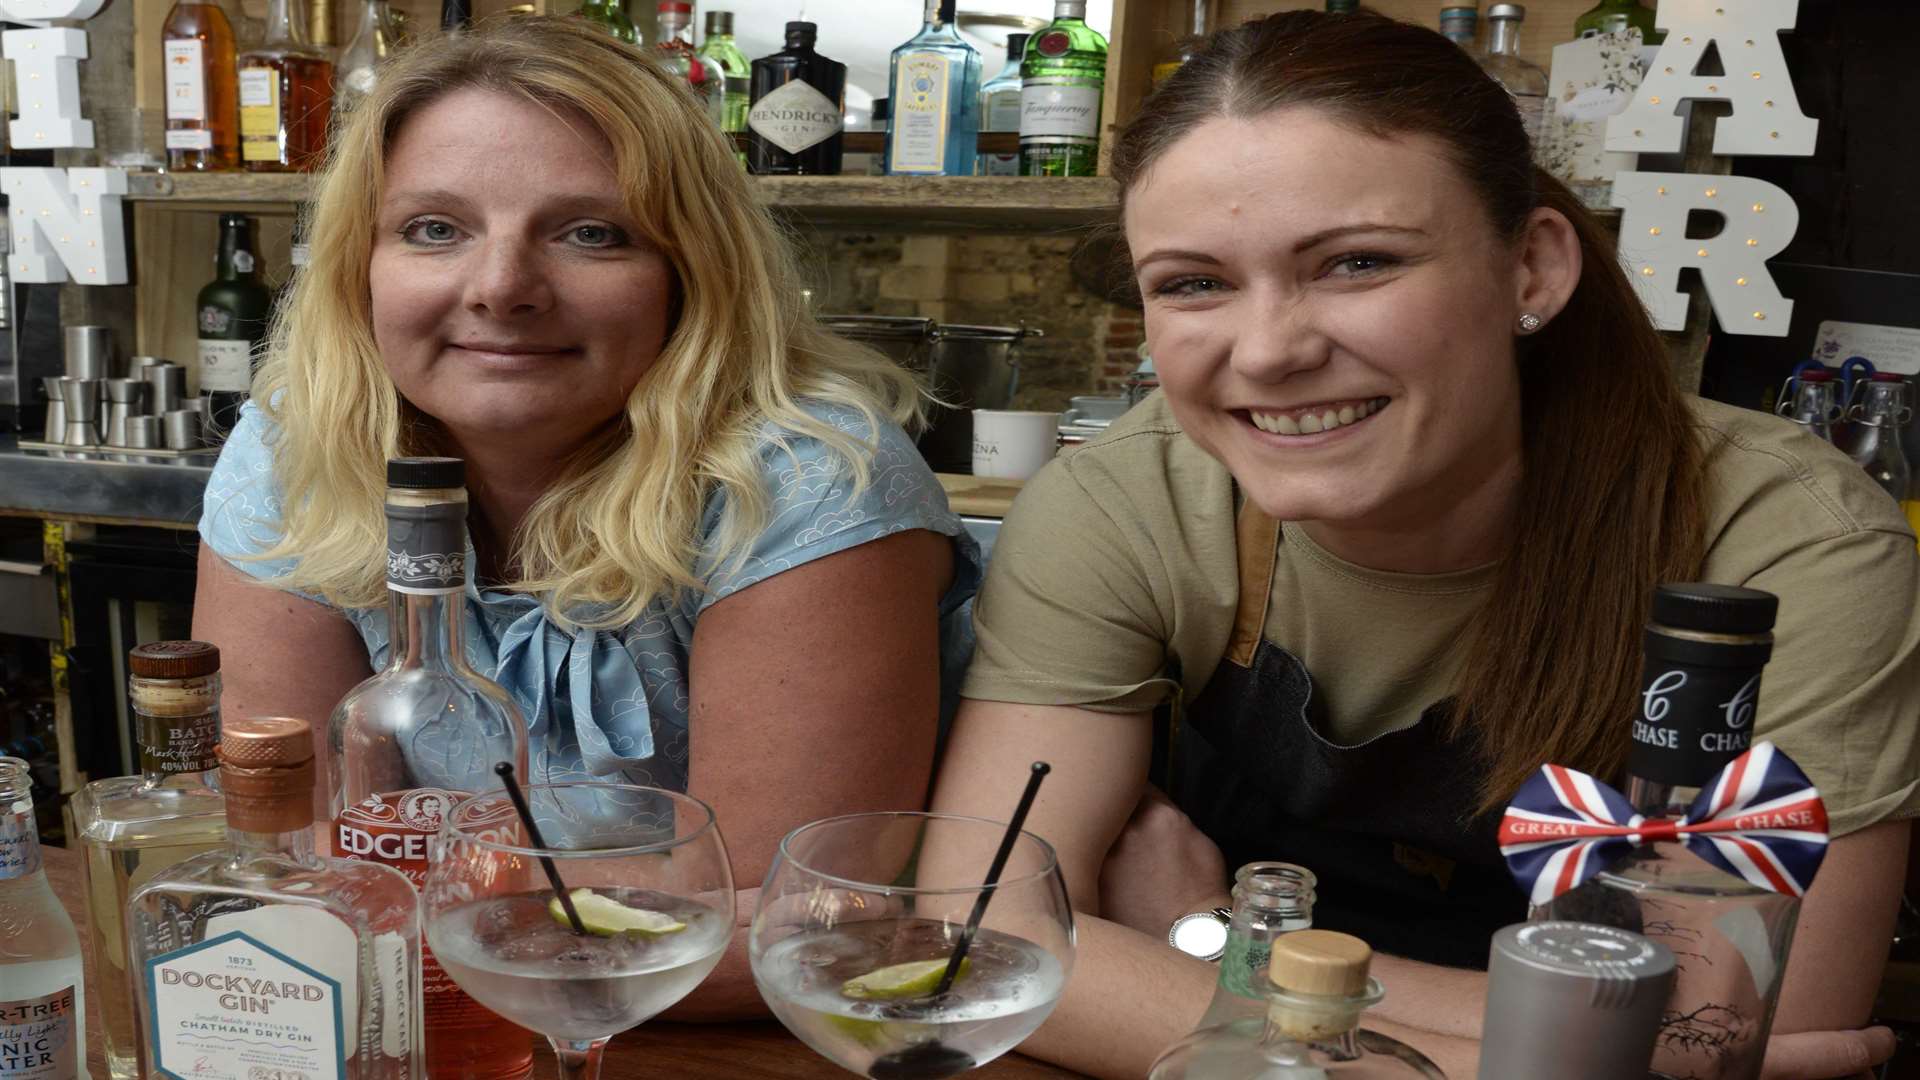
x,y
622,524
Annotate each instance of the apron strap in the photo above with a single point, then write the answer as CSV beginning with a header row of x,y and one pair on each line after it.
x,y
1257,538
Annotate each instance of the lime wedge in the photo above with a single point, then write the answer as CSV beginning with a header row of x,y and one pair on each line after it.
x,y
605,916
901,980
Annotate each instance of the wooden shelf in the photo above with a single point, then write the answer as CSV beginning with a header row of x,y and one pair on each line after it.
x,y
898,203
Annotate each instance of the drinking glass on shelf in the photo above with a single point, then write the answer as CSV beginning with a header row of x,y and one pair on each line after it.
x,y
859,918
645,871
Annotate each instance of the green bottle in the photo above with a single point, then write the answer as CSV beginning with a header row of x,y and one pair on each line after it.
x,y
1613,16
720,48
1342,7
1061,82
231,313
611,14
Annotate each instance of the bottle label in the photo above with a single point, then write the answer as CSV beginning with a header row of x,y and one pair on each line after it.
x,y
1054,43
235,1008
918,141
1242,963
186,85
39,1037
1002,113
259,114
1693,720
19,846
225,366
1055,110
190,139
179,745
795,117
426,550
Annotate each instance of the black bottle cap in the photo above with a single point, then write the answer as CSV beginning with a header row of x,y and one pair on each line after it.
x,y
1715,609
720,22
802,33
426,472
882,109
1017,44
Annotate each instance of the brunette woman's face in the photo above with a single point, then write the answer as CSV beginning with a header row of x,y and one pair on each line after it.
x,y
512,296
1332,316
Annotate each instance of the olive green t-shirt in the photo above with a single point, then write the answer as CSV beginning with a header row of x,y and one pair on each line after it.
x,y
1113,584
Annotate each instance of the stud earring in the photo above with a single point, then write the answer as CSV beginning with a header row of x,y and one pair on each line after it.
x,y
1529,323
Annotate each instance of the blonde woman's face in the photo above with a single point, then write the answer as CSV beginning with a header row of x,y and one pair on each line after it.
x,y
512,299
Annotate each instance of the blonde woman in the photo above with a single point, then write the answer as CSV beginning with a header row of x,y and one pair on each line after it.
x,y
531,251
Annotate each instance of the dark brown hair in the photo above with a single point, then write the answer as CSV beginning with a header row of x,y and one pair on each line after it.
x,y
1612,500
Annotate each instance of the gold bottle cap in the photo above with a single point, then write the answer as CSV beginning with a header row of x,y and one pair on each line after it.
x,y
174,660
266,772
1320,962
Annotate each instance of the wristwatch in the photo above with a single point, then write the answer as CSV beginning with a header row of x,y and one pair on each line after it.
x,y
1202,934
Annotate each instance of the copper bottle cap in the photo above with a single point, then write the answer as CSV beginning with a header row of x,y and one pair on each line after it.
x,y
266,771
174,660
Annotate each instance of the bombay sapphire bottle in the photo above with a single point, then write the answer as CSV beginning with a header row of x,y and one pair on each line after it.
x,y
935,90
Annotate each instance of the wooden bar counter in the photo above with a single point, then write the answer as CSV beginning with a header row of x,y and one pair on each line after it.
x,y
759,1050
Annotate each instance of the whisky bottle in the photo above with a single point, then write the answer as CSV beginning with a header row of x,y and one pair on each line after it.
x,y
286,96
231,315
260,958
797,115
421,735
133,827
1061,82
43,1004
203,124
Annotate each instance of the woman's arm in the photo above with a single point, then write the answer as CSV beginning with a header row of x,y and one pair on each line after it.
x,y
280,654
814,693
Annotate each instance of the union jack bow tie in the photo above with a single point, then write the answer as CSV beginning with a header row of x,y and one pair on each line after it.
x,y
1760,819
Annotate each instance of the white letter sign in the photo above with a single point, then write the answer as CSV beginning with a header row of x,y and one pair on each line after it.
x,y
67,222
38,11
1766,116
1759,220
46,66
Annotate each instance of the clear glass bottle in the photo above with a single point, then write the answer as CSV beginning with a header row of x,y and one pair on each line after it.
x,y
203,121
376,40
1613,16
1705,649
611,14
43,1002
1461,25
1062,79
133,827
1310,1029
456,15
304,965
286,96
1200,23
1000,109
1269,899
1523,79
230,315
1811,404
673,44
933,81
798,112
1876,445
735,70
411,741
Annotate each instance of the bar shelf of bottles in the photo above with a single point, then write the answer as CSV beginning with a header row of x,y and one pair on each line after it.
x,y
933,203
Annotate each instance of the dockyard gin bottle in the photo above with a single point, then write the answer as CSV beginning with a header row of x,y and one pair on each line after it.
x,y
423,734
43,1013
1700,691
1061,81
260,958
794,123
934,91
1269,899
134,827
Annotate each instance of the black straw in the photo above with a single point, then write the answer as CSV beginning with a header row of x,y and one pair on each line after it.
x,y
1040,771
505,772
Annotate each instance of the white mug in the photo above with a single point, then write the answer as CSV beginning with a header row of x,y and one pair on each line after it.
x,y
1012,445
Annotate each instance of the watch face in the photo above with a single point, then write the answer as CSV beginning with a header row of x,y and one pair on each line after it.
x,y
1202,935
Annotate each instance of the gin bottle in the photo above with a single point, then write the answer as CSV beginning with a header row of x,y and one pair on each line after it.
x,y
612,15
376,39
736,72
133,827
1613,16
1000,109
1269,899
1705,648
1524,80
933,83
1812,403
795,121
423,734
1309,1029
1876,446
673,44
43,1005
1460,25
1061,81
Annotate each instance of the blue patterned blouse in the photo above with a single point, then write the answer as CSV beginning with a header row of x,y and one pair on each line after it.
x,y
600,703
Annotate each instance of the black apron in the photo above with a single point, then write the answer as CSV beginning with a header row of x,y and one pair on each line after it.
x,y
1387,826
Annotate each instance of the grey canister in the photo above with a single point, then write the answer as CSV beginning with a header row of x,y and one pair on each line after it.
x,y
89,352
1573,1001
56,409
143,433
182,428
167,385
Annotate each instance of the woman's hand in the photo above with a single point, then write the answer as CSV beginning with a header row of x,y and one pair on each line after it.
x,y
1160,868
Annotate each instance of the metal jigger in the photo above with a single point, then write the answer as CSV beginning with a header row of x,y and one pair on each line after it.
x,y
83,411
143,433
56,409
166,386
89,352
183,429
124,400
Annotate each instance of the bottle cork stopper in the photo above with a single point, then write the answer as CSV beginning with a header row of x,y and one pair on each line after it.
x,y
174,660
1320,962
